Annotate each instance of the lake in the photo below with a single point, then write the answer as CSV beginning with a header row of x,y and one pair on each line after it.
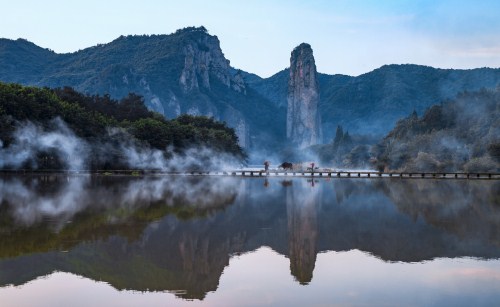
x,y
84,240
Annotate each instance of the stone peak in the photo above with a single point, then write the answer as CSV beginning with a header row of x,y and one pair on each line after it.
x,y
302,47
302,52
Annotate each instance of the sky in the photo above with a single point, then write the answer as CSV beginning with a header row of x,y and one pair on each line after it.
x,y
349,37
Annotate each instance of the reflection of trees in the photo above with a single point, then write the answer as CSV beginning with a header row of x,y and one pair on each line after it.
x,y
468,209
301,202
412,219
58,212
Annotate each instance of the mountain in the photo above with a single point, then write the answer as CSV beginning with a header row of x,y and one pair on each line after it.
x,y
187,72
373,102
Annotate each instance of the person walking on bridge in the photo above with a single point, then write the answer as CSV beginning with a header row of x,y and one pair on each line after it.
x,y
266,166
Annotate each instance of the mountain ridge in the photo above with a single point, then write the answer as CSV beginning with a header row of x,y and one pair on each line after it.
x,y
187,72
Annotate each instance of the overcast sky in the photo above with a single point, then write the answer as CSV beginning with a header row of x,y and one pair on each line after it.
x,y
347,36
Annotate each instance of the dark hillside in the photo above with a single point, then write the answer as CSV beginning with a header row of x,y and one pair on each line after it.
x,y
462,134
373,102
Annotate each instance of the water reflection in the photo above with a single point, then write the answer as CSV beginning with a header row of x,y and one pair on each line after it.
x,y
178,233
301,202
33,199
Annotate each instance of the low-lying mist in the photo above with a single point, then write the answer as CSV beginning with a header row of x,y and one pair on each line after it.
x,y
344,152
30,140
56,146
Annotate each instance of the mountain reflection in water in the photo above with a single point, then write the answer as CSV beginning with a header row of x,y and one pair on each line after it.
x,y
171,233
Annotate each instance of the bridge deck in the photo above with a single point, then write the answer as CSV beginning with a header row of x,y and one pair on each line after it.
x,y
274,173
353,174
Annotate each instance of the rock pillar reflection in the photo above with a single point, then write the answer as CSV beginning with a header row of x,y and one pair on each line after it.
x,y
301,200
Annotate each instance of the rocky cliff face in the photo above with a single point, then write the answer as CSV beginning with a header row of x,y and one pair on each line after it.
x,y
204,64
203,59
303,126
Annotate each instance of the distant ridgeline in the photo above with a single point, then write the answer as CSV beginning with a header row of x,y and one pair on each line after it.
x,y
60,128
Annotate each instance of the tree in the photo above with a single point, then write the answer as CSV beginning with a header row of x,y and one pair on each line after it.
x,y
339,135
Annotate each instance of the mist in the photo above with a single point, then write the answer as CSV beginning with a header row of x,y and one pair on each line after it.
x,y
55,146
31,139
59,198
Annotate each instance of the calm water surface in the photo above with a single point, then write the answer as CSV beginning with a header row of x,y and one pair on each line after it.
x,y
226,241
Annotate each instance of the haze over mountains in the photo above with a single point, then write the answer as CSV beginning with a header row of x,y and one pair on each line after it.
x,y
186,72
